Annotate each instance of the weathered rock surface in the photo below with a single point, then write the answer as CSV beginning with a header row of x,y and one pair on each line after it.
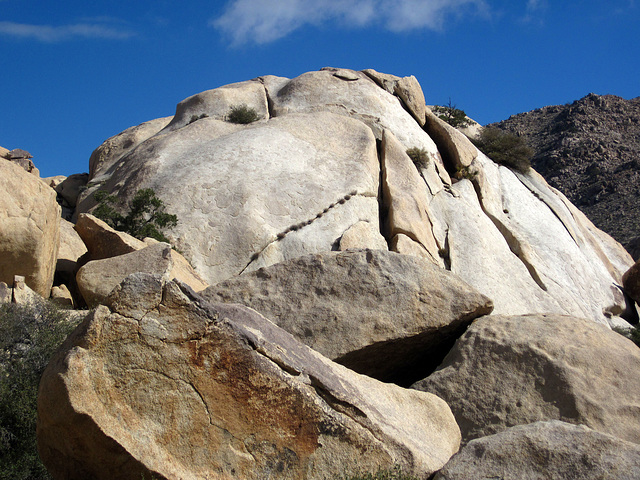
x,y
406,198
453,145
98,278
29,228
631,282
490,228
377,312
218,102
407,89
69,189
507,371
172,386
545,450
102,241
71,248
114,148
255,195
363,235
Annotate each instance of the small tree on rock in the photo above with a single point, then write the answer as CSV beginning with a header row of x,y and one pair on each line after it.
x,y
146,216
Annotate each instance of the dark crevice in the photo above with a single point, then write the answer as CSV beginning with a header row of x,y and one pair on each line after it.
x,y
383,212
270,105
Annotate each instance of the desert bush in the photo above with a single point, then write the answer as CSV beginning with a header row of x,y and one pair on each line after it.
x,y
242,114
146,216
419,156
29,335
466,172
505,148
452,115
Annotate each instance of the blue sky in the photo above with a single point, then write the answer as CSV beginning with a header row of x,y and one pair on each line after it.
x,y
77,72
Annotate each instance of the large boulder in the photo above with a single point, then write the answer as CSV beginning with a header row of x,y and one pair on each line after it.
x,y
102,241
98,278
29,228
545,450
513,370
377,312
161,383
255,195
249,196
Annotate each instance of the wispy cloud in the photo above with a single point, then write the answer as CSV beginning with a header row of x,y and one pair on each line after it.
x,y
263,21
51,33
534,11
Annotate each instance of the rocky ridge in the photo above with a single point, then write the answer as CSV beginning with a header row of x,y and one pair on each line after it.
x,y
590,151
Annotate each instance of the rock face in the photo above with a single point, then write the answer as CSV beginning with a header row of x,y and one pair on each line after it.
x,y
274,190
507,371
98,278
545,450
163,383
379,313
590,150
29,228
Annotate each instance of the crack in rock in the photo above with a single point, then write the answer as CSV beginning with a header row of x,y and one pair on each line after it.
x,y
516,246
301,225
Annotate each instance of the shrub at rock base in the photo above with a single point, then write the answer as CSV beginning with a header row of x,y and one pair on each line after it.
x,y
29,335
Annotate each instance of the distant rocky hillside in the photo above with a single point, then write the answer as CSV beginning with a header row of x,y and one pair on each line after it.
x,y
590,150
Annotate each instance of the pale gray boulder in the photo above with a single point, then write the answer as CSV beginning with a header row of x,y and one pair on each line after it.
x,y
162,384
252,195
545,451
217,103
293,183
514,370
379,313
114,148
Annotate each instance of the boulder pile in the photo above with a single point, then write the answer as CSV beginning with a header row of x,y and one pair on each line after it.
x,y
344,238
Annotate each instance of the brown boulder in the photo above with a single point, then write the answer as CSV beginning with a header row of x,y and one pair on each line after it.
x,y
102,241
631,282
29,228
164,384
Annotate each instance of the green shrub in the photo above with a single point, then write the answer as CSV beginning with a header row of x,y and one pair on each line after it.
x,y
145,217
29,335
632,333
452,115
505,148
419,156
242,114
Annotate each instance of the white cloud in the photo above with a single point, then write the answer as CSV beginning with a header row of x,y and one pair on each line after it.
x,y
262,21
49,33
